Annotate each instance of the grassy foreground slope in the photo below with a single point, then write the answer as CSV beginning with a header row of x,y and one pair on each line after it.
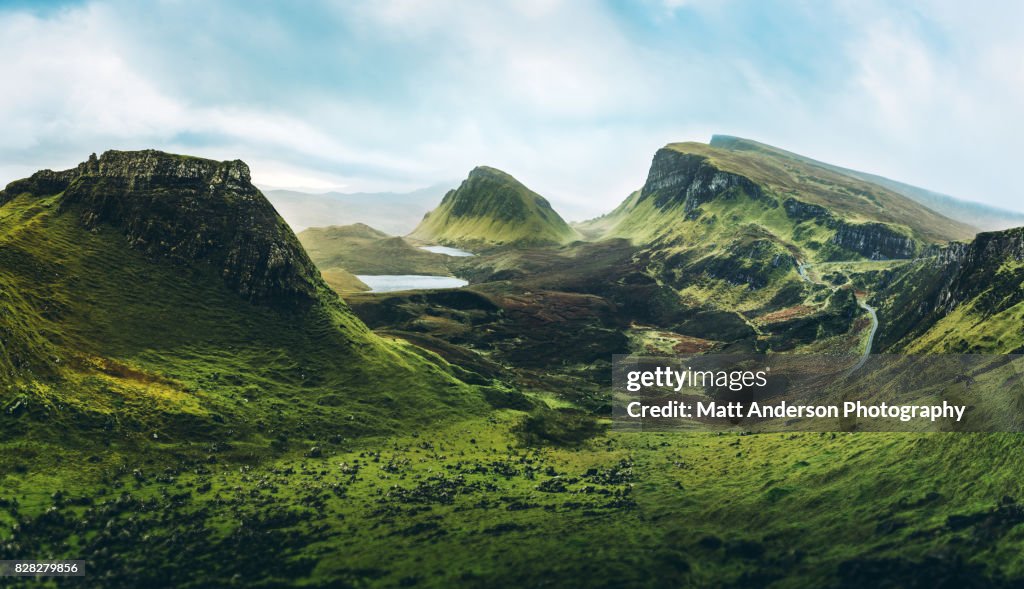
x,y
491,207
470,505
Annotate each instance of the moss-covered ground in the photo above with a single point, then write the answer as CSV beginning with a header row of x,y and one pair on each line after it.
x,y
469,504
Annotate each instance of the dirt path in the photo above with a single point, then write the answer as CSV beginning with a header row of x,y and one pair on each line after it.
x,y
801,269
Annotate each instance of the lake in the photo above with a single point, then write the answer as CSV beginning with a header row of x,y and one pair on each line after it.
x,y
448,251
393,282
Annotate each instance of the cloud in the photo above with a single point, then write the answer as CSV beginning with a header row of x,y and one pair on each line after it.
x,y
572,97
935,92
75,90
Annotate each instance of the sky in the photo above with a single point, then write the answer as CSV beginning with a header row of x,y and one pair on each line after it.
x,y
571,97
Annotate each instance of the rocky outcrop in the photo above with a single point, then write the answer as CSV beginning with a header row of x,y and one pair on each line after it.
x,y
187,209
985,273
802,211
688,180
973,269
877,241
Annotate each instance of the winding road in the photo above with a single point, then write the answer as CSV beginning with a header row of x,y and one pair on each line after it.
x,y
871,334
801,269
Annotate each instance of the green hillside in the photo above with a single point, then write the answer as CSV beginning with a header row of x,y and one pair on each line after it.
x,y
692,174
343,281
162,296
733,225
971,213
489,208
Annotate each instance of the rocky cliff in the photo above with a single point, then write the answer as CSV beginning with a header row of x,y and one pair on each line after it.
x,y
186,209
145,292
802,211
876,241
986,267
982,279
748,187
690,180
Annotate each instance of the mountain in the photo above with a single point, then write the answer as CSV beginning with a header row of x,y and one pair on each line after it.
x,y
491,207
184,403
975,214
396,213
361,249
711,219
969,298
154,294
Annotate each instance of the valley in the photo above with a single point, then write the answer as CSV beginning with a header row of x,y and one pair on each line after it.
x,y
184,379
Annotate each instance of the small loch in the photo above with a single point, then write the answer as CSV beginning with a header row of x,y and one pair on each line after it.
x,y
396,282
448,251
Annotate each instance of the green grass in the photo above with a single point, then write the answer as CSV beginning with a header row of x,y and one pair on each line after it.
x,y
968,328
624,509
492,208
710,256
850,198
100,332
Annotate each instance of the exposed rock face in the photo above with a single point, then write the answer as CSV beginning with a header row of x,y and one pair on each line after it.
x,y
690,180
985,273
802,211
969,269
874,240
187,210
877,241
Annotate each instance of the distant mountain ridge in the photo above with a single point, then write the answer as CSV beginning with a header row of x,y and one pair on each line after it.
x,y
982,216
361,249
396,213
491,207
